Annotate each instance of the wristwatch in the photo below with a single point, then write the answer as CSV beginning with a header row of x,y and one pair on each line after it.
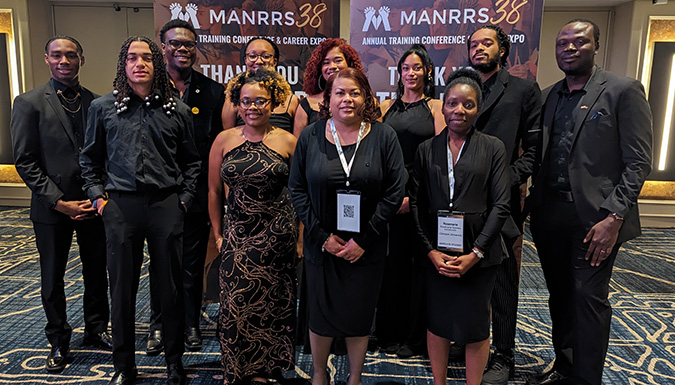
x,y
478,253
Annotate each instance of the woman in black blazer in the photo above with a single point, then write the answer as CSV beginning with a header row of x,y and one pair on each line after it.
x,y
346,211
460,179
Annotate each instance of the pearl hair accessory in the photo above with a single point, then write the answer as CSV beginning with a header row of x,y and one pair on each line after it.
x,y
122,106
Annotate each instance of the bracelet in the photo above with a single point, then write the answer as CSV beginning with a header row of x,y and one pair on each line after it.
x,y
616,216
323,247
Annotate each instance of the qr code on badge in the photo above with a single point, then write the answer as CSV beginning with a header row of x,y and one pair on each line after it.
x,y
348,211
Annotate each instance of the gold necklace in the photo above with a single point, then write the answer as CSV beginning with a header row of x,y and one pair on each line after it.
x,y
67,100
70,101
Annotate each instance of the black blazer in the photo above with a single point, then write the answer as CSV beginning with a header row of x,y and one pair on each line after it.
x,y
511,113
611,152
205,98
481,192
378,173
46,154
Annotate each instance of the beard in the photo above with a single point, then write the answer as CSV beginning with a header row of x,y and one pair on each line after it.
x,y
488,67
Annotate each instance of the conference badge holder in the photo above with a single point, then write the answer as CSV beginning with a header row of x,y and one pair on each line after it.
x,y
349,211
450,231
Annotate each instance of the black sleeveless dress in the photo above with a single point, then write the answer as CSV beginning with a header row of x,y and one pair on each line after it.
x,y
257,271
400,310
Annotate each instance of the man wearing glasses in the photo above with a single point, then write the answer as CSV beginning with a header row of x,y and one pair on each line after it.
x,y
205,98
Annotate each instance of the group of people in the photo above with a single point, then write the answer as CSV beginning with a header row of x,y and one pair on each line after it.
x,y
411,210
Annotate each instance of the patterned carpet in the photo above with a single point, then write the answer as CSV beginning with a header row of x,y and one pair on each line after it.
x,y
641,351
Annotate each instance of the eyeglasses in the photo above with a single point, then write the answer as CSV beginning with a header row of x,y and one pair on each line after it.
x,y
264,56
248,103
188,44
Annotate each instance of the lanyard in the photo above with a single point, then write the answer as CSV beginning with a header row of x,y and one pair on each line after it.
x,y
451,169
346,167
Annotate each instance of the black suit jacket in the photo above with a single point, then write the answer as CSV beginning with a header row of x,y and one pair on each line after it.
x,y
205,98
481,192
611,152
46,154
511,113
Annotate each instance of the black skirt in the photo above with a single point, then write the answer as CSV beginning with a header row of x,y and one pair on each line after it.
x,y
459,308
342,296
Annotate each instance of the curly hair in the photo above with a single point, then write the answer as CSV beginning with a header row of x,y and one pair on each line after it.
x,y
369,110
427,63
161,86
469,77
503,41
278,88
314,80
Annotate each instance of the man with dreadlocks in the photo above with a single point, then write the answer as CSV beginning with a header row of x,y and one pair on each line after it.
x,y
140,165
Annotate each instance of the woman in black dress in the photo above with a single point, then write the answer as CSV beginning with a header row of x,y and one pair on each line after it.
x,y
257,53
460,182
329,57
256,239
347,181
415,116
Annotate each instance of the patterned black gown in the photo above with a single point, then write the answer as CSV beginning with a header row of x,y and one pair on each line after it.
x,y
257,273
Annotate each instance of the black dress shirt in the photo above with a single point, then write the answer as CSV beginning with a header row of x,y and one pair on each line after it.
x,y
561,137
72,109
140,149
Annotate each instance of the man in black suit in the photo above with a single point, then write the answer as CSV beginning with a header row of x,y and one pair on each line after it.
x,y
511,109
595,155
47,132
206,99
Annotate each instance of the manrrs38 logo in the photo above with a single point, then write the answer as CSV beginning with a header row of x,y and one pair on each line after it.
x,y
190,13
382,17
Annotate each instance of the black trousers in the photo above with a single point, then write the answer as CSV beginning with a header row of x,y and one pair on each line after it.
x,y
578,293
392,319
53,244
196,230
504,300
130,219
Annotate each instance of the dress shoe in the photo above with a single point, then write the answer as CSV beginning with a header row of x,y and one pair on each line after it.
x,y
390,348
56,360
405,351
456,353
552,377
101,340
193,340
176,374
155,343
500,369
122,378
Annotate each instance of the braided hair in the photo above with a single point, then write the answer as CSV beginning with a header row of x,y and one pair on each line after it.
x,y
161,89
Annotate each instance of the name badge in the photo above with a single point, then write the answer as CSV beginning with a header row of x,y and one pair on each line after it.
x,y
450,231
349,211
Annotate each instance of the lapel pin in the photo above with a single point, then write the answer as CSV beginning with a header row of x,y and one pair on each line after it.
x,y
197,91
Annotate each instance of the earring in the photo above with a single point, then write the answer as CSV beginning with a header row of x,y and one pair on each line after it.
x,y
318,82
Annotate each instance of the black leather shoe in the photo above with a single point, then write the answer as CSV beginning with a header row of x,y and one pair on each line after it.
x,y
101,340
500,368
176,374
552,377
193,340
56,359
155,343
456,353
122,378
